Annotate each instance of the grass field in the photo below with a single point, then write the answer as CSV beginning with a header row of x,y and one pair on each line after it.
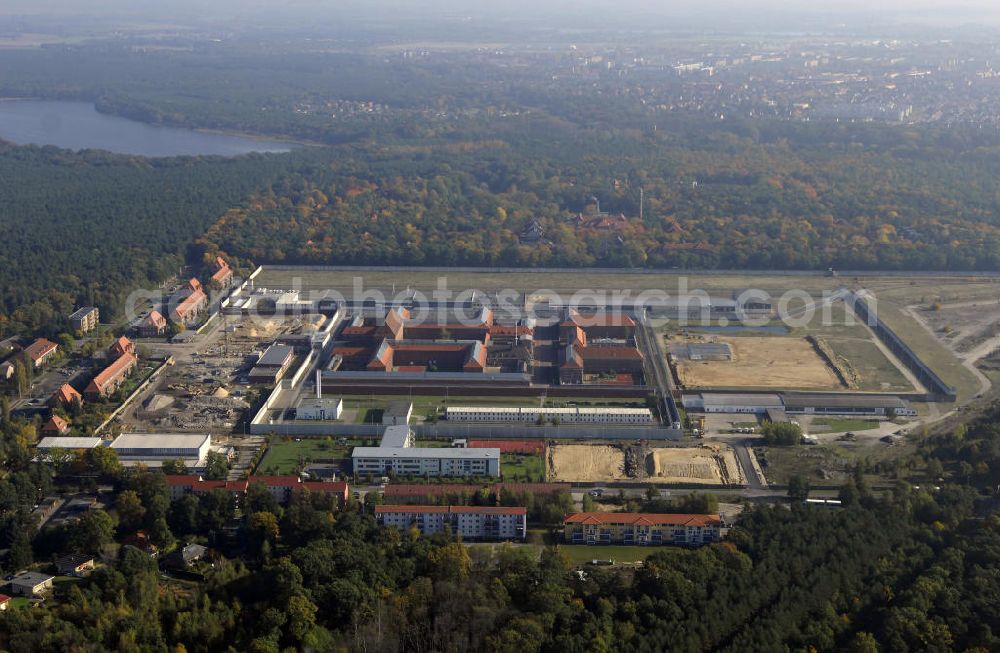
x,y
558,280
875,371
932,352
828,464
583,553
285,457
519,468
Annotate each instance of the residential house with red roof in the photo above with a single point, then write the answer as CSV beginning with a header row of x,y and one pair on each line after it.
x,y
280,487
188,302
41,351
606,528
153,325
223,275
64,396
56,426
107,382
121,347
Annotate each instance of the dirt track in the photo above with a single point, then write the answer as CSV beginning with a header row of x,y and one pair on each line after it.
x,y
761,362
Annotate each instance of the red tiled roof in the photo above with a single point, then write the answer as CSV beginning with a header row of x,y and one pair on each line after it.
x,y
642,519
534,488
66,394
222,273
122,346
500,330
600,319
189,303
622,353
276,481
55,424
110,373
40,348
489,510
4,598
155,319
198,484
331,487
430,489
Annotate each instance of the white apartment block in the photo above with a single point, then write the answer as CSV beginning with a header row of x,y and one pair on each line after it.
x,y
567,415
471,522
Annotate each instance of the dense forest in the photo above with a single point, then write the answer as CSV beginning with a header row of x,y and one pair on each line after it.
x,y
91,227
912,570
715,196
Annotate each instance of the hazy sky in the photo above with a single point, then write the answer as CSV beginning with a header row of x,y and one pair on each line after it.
x,y
705,12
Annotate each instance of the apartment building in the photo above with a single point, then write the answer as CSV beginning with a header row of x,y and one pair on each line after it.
x,y
85,319
642,528
471,522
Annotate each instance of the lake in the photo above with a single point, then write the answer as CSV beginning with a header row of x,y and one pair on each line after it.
x,y
78,126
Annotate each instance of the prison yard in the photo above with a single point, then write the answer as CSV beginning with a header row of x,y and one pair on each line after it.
x,y
752,361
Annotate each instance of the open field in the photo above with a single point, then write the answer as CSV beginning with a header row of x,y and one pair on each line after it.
x,y
522,468
584,553
964,325
715,465
761,362
932,351
874,371
827,464
285,457
557,280
580,462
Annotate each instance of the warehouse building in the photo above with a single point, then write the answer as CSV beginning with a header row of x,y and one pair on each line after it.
x,y
272,365
152,449
716,402
46,445
396,454
471,522
567,415
840,404
806,403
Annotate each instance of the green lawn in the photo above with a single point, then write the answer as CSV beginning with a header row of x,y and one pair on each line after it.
x,y
876,372
526,469
18,602
583,553
285,457
846,424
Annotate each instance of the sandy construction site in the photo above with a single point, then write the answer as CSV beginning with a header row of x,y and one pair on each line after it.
x,y
709,465
759,362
